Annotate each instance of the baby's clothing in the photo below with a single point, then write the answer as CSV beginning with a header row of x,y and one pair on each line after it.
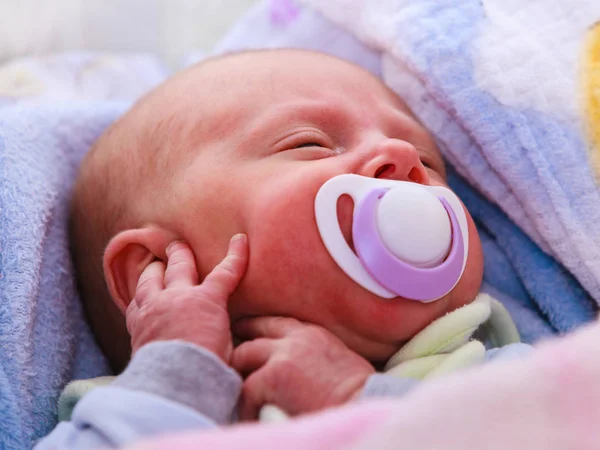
x,y
446,346
176,386
168,387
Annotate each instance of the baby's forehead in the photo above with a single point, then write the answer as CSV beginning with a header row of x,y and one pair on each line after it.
x,y
221,96
271,75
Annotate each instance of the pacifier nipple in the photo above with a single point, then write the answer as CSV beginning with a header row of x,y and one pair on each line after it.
x,y
414,226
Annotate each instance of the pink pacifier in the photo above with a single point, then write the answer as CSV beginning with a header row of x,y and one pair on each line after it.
x,y
411,240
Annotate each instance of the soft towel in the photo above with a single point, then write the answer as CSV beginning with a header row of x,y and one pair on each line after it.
x,y
44,339
78,76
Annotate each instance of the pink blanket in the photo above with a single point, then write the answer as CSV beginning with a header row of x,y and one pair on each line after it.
x,y
548,401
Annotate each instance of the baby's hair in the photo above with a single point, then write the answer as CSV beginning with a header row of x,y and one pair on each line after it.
x,y
128,165
97,208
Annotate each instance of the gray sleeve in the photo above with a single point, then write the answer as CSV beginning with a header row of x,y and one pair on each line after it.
x,y
168,387
381,385
187,374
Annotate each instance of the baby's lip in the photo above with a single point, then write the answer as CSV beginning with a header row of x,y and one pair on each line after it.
x,y
345,213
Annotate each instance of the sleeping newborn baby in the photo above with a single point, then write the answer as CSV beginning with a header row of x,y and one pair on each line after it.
x,y
278,149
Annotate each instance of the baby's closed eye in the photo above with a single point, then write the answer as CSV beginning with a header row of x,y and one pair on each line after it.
x,y
305,139
308,144
311,144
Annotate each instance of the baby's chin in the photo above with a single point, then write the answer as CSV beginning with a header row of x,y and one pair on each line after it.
x,y
383,326
376,353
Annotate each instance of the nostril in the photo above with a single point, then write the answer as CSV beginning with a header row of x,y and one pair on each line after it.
x,y
416,176
385,171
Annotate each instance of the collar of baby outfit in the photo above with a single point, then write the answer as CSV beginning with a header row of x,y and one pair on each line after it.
x,y
448,343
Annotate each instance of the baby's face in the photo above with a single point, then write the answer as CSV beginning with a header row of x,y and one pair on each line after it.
x,y
281,124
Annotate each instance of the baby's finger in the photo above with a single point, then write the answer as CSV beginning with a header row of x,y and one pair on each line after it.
x,y
181,266
254,395
251,355
225,277
132,317
268,327
151,281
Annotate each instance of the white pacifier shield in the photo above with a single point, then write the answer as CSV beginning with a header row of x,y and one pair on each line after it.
x,y
421,230
414,225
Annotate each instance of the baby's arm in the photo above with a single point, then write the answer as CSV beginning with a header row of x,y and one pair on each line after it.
x,y
178,378
168,387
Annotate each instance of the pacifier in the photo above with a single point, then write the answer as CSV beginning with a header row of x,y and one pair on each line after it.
x,y
411,240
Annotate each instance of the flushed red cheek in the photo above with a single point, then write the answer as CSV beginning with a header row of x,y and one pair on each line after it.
x,y
284,277
285,252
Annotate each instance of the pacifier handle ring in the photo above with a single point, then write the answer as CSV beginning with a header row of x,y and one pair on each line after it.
x,y
415,283
331,233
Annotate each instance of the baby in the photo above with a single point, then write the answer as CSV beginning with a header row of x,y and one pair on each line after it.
x,y
239,146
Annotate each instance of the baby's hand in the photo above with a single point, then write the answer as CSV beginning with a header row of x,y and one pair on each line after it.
x,y
169,304
295,366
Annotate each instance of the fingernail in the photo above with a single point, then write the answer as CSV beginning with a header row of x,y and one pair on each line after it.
x,y
171,245
240,237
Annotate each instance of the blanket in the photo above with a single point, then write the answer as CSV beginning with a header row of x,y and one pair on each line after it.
x,y
79,76
44,338
52,108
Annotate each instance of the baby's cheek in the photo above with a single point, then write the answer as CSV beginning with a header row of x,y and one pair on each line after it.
x,y
286,253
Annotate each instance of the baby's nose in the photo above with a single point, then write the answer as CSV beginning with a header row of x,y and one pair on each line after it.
x,y
397,160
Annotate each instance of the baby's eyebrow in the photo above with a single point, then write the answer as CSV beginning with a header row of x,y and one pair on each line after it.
x,y
320,113
323,112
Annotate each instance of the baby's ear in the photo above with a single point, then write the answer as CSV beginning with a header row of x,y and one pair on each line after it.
x,y
126,257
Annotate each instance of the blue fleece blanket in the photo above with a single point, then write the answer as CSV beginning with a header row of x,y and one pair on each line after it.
x,y
44,338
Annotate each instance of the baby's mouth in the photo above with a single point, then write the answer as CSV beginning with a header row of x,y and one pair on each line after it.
x,y
345,214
